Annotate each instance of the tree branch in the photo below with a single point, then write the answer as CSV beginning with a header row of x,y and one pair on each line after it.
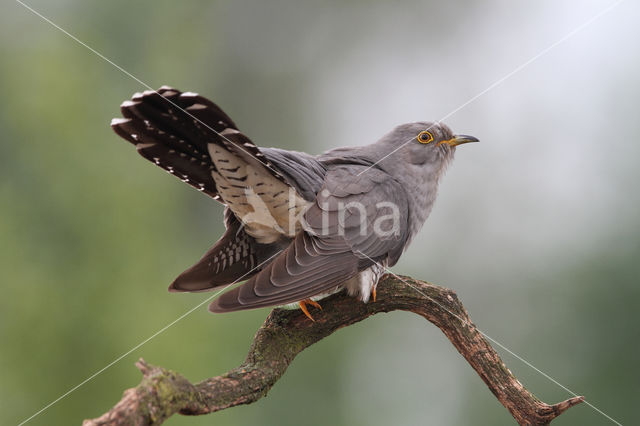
x,y
286,333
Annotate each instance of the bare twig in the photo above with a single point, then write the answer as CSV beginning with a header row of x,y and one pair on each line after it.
x,y
286,333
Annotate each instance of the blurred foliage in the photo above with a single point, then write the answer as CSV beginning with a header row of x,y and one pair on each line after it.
x,y
536,228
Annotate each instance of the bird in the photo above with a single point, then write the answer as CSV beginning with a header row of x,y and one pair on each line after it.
x,y
299,227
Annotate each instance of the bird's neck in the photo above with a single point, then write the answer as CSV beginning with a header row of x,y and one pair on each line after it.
x,y
421,183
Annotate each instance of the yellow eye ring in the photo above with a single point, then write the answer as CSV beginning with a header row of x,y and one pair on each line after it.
x,y
425,137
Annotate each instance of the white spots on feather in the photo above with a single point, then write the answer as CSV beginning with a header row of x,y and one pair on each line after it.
x,y
144,145
134,136
128,103
172,151
160,132
188,94
148,92
169,93
231,131
119,121
182,155
137,96
165,87
196,107
172,114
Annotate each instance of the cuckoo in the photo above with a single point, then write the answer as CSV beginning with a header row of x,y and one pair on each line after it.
x,y
298,226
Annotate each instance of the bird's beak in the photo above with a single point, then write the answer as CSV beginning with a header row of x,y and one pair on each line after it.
x,y
460,139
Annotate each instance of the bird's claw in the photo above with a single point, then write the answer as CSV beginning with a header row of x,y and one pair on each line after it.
x,y
303,307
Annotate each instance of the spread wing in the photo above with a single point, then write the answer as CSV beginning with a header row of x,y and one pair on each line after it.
x,y
355,221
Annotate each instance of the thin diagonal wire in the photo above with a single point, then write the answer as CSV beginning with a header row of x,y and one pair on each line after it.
x,y
76,39
519,68
157,333
466,322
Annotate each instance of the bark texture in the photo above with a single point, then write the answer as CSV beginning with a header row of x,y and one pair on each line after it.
x,y
286,333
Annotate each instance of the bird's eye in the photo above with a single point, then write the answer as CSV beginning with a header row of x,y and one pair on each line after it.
x,y
425,137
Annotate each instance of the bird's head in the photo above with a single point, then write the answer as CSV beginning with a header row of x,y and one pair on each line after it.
x,y
423,142
424,145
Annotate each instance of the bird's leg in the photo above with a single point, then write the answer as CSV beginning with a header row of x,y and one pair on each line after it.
x,y
303,306
373,293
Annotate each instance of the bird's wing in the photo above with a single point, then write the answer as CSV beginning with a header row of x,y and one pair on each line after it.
x,y
355,221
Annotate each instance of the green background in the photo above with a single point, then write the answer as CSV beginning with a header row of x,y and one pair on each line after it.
x,y
536,227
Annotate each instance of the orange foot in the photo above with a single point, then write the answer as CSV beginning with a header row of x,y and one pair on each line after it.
x,y
373,294
303,306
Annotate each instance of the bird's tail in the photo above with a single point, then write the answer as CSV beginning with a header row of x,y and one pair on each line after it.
x,y
173,129
178,131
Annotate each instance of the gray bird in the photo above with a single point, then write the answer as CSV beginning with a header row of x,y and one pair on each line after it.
x,y
298,226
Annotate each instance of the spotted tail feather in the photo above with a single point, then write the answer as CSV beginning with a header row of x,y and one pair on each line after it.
x,y
172,129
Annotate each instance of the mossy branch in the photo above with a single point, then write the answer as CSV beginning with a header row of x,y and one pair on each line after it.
x,y
286,333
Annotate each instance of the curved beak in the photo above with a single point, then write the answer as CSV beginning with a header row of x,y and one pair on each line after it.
x,y
460,139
